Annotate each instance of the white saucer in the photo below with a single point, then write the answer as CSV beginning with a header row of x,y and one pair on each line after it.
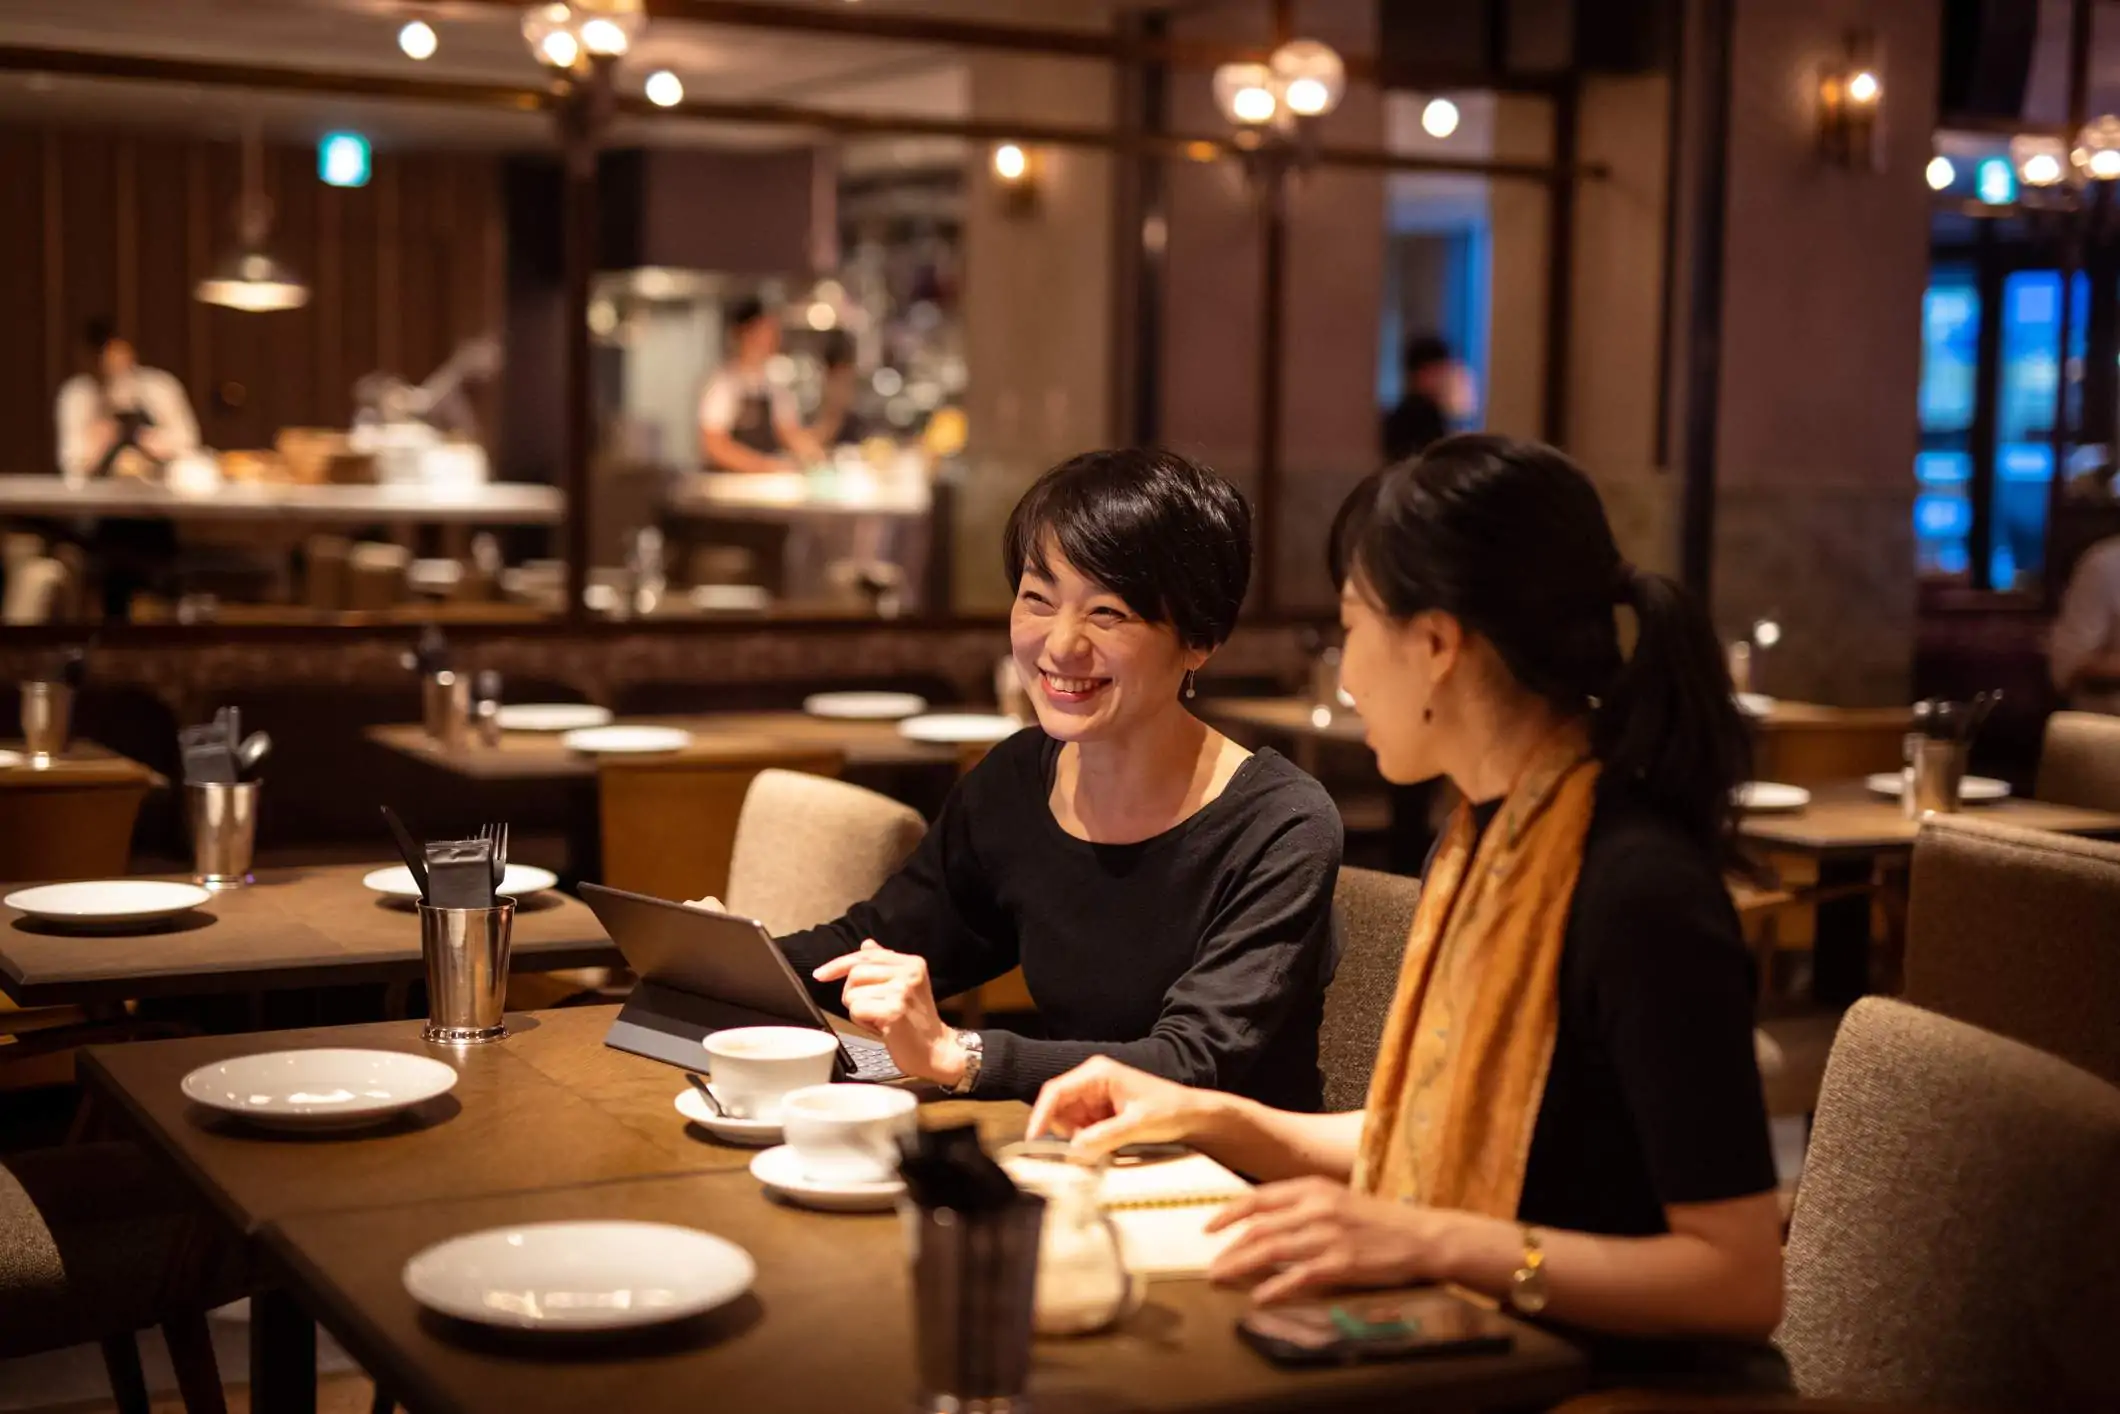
x,y
750,1133
520,881
781,1172
865,706
328,1088
959,728
553,717
1973,790
579,1276
10,758
103,902
627,741
1771,798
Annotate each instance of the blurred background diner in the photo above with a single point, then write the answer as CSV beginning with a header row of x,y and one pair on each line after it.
x,y
601,419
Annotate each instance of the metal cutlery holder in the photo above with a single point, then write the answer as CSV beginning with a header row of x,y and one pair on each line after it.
x,y
223,819
975,1282
466,952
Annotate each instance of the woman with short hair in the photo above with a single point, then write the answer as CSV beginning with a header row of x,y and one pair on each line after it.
x,y
1565,1112
1167,893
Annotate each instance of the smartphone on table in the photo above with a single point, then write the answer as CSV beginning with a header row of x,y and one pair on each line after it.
x,y
1398,1326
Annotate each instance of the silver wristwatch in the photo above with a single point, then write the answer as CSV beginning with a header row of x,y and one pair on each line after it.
x,y
974,1055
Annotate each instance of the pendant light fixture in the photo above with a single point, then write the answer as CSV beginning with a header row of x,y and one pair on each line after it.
x,y
249,277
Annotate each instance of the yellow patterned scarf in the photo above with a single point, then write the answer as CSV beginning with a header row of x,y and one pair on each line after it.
x,y
1463,1064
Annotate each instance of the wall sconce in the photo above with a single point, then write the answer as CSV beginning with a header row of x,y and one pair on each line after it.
x,y
2041,161
1015,169
1851,109
2097,150
568,36
1273,105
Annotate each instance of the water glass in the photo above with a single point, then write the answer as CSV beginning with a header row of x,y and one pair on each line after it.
x,y
47,720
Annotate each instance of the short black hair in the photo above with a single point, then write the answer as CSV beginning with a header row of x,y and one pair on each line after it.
x,y
742,311
97,332
1163,533
1423,351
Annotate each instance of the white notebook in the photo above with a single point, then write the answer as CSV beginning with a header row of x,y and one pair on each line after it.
x,y
1161,1211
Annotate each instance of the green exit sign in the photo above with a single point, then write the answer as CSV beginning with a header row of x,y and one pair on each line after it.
x,y
342,160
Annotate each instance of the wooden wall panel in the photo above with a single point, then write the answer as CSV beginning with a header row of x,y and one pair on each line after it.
x,y
124,222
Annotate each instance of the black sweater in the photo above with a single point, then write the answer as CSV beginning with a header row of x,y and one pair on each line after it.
x,y
1200,955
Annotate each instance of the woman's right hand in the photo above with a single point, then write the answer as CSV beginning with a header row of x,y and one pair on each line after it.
x,y
1101,1105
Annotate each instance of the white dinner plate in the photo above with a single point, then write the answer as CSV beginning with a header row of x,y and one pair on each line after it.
x,y
780,1170
332,1088
865,706
1755,704
1973,790
107,901
751,1133
731,598
520,881
627,741
579,1276
10,758
553,717
959,728
1771,797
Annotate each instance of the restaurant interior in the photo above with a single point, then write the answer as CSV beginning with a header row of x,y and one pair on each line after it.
x,y
475,473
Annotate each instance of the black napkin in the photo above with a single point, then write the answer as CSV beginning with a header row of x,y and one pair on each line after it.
x,y
209,751
948,1168
460,873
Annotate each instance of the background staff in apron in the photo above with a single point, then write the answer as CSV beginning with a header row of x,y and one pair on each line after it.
x,y
746,421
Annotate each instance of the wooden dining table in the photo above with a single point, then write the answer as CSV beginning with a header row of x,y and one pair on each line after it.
x,y
548,1125
1846,831
300,927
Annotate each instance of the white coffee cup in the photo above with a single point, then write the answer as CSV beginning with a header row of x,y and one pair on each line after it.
x,y
847,1133
754,1068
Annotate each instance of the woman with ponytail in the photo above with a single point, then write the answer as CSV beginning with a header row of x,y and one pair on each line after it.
x,y
1565,1112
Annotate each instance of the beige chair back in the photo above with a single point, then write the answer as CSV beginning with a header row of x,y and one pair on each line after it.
x,y
1374,915
669,822
2018,932
807,849
2080,761
1955,1241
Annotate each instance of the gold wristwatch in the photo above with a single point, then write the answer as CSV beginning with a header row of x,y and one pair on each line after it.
x,y
1527,1284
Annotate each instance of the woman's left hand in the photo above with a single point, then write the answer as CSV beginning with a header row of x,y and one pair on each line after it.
x,y
889,993
1311,1233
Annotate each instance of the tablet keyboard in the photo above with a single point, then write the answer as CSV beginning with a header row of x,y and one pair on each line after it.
x,y
872,1060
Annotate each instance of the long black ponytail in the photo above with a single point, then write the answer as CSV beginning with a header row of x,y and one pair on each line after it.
x,y
1510,538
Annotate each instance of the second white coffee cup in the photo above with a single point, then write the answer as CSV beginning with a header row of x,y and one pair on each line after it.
x,y
847,1133
755,1068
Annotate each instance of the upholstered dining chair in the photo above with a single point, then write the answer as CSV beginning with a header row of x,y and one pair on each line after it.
x,y
670,822
95,1245
2018,931
1955,1242
2079,763
1374,915
808,848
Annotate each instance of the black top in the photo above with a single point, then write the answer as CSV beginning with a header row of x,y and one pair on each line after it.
x,y
1200,955
1412,427
1654,1096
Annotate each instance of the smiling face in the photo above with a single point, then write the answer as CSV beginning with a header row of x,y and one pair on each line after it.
x,y
1093,667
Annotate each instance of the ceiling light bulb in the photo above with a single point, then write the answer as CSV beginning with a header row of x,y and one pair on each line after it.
x,y
665,89
417,40
1253,105
1941,173
559,49
1010,163
604,38
1439,118
1308,97
1864,88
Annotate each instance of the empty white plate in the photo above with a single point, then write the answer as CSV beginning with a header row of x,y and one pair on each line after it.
x,y
520,881
553,717
780,1170
960,728
331,1088
579,1276
748,1132
10,758
627,741
1973,790
1770,797
865,706
731,598
1755,704
107,901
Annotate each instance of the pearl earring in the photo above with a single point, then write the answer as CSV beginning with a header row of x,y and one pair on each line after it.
x,y
1190,690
